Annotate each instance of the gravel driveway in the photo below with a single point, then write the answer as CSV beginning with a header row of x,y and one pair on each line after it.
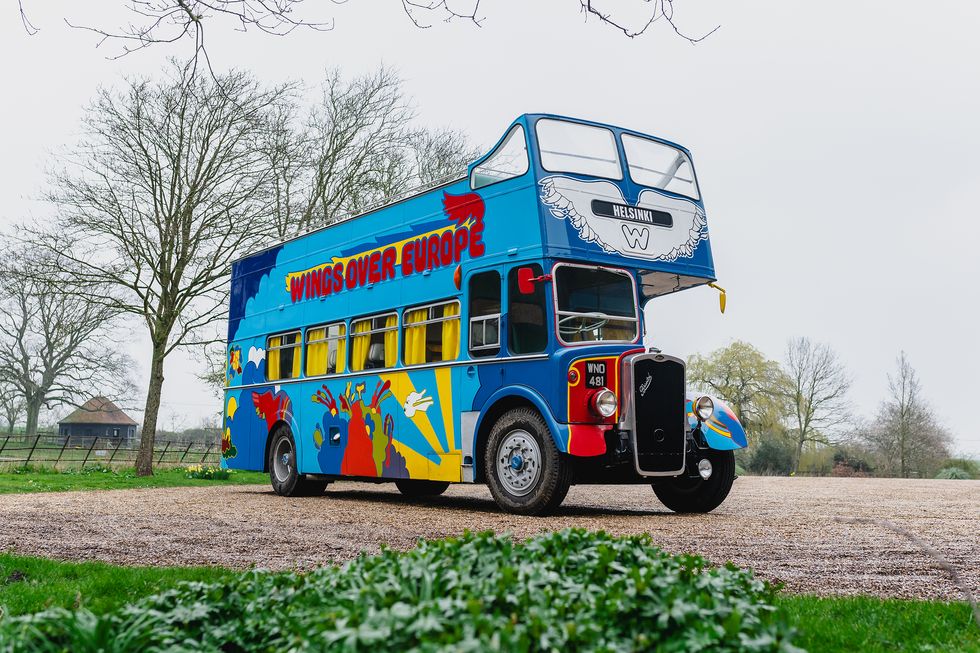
x,y
784,528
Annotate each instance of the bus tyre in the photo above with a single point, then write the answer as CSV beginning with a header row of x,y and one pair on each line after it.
x,y
525,471
686,494
286,479
418,488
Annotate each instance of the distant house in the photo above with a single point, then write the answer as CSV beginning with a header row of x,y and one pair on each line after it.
x,y
97,418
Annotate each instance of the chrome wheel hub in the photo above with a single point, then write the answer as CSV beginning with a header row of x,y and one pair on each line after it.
x,y
282,460
518,462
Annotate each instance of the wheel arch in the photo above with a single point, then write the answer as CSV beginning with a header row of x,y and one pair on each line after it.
x,y
504,400
268,443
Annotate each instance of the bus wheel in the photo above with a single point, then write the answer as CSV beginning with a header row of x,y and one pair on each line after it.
x,y
418,488
286,479
691,493
525,471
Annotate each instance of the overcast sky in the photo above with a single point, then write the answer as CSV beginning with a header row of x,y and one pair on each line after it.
x,y
836,146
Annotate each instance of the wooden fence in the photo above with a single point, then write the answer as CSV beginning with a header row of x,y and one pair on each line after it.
x,y
51,450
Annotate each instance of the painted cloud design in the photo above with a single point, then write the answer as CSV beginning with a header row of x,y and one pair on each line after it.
x,y
256,355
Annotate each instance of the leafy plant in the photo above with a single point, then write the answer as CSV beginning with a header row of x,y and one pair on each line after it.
x,y
954,473
772,455
573,590
207,472
968,465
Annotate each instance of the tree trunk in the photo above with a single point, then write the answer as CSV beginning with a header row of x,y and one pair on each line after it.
x,y
902,454
144,459
799,455
33,411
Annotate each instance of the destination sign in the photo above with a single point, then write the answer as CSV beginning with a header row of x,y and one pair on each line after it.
x,y
632,213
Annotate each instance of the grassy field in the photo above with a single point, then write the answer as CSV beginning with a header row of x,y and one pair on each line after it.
x,y
49,480
870,624
824,624
29,584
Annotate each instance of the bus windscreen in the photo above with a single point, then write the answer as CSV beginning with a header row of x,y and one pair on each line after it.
x,y
595,304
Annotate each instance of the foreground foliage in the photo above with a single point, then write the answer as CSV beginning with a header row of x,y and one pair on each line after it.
x,y
572,590
828,625
41,479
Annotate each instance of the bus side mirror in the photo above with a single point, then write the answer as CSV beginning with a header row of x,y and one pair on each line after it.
x,y
722,296
525,281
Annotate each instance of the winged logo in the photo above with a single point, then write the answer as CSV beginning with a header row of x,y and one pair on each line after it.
x,y
658,227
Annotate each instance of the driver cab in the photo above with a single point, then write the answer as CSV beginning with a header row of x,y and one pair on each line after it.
x,y
592,304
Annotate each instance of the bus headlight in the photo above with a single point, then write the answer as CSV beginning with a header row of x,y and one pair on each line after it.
x,y
704,408
604,403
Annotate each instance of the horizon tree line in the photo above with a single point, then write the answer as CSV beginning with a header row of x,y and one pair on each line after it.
x,y
802,404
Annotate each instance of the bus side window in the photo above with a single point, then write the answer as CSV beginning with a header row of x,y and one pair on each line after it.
x,y
282,356
527,330
431,333
506,162
326,349
485,314
375,342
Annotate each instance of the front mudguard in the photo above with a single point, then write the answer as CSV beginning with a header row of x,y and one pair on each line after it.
x,y
722,431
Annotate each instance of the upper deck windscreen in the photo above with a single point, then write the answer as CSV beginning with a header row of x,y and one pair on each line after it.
x,y
578,148
591,150
653,164
620,198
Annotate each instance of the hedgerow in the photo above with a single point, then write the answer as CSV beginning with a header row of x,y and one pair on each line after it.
x,y
568,591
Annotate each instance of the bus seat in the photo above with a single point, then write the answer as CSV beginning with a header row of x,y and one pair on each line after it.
x,y
332,359
376,356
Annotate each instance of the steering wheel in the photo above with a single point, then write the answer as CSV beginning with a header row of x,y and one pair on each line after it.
x,y
598,321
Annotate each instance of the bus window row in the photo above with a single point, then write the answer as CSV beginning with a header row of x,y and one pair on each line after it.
x,y
593,304
430,334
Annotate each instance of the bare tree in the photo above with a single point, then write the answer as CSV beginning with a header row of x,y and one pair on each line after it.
x,y
11,405
906,435
171,21
657,11
56,347
816,392
164,191
357,146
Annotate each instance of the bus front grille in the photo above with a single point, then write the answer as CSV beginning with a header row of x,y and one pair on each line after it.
x,y
656,416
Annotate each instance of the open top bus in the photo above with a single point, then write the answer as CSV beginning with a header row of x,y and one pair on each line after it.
x,y
487,330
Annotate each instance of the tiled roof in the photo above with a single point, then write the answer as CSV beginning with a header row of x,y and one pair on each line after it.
x,y
99,410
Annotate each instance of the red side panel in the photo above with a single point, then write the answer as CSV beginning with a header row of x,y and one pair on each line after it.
x,y
587,439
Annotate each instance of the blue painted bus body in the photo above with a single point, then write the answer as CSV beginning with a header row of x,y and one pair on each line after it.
x,y
425,421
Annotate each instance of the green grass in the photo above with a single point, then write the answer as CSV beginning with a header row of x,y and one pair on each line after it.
x,y
865,624
870,624
29,584
49,480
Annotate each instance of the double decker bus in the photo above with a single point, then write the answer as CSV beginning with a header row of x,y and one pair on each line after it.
x,y
486,330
